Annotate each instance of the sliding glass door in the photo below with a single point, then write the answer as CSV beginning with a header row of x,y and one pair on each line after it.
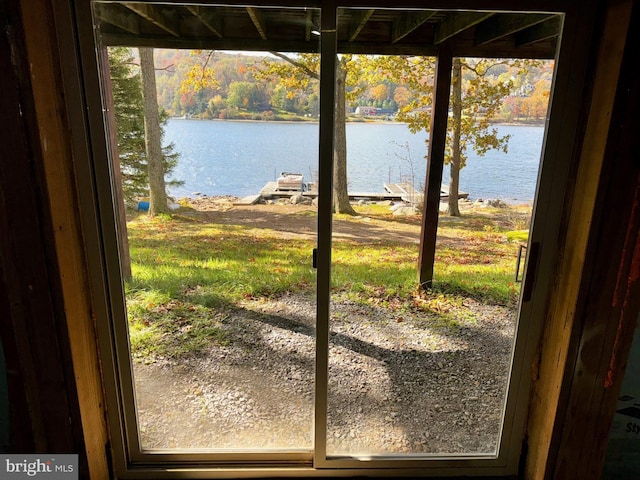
x,y
216,336
265,180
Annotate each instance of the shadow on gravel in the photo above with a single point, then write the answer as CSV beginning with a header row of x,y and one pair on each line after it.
x,y
388,398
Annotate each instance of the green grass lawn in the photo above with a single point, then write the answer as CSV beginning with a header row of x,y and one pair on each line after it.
x,y
188,272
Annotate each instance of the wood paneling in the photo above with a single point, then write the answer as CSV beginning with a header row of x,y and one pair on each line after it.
x,y
577,267
37,365
609,315
57,161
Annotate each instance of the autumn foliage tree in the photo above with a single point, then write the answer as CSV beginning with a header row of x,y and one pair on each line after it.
x,y
476,99
380,92
296,73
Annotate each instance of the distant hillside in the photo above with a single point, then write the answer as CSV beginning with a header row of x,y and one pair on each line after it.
x,y
237,93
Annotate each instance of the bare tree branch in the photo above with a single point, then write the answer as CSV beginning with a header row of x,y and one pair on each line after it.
x,y
299,65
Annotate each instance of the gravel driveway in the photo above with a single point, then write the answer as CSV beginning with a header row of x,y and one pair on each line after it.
x,y
398,382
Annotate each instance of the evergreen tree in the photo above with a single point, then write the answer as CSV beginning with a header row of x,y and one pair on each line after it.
x,y
127,102
126,86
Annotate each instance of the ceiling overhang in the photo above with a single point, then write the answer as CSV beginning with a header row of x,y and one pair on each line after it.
x,y
486,33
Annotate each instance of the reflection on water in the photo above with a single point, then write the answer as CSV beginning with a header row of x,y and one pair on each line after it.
x,y
238,158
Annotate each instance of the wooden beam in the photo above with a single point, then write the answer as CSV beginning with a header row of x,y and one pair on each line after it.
x,y
51,150
550,28
208,18
258,22
26,418
535,38
155,16
210,43
559,428
607,326
358,20
458,22
111,13
435,165
505,24
537,51
408,22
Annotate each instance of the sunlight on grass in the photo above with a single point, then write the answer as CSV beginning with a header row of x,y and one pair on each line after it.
x,y
517,235
487,283
374,209
187,273
373,271
174,329
239,261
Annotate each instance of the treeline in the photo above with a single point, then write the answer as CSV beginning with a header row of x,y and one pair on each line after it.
x,y
206,84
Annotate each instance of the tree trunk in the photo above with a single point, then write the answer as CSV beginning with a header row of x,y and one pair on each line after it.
x,y
341,203
456,107
152,134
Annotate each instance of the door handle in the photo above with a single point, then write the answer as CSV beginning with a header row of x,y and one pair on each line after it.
x,y
519,262
530,273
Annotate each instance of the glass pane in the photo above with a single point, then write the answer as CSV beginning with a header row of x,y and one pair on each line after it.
x,y
415,371
221,297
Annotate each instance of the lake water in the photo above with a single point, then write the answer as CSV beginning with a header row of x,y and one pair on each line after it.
x,y
238,158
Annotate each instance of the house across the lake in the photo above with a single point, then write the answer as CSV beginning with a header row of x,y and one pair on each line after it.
x,y
366,110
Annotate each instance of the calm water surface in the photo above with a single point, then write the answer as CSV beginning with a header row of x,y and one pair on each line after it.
x,y
239,158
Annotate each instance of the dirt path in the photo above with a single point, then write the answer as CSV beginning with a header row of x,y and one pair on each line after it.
x,y
300,221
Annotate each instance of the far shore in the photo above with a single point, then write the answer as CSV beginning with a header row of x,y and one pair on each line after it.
x,y
349,120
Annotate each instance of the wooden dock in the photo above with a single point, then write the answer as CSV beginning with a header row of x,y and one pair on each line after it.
x,y
394,192
270,190
444,193
411,195
406,192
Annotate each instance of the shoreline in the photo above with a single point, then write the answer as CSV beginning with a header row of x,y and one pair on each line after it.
x,y
364,120
231,200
